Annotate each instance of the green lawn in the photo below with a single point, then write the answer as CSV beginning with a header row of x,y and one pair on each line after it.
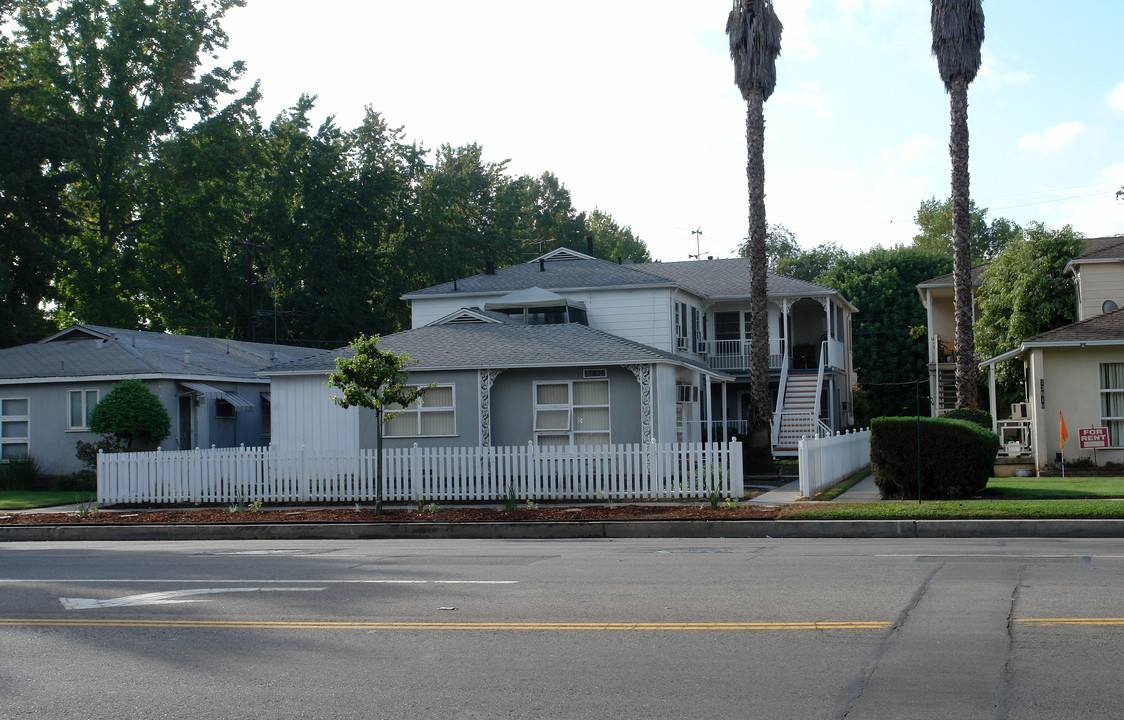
x,y
23,499
1055,488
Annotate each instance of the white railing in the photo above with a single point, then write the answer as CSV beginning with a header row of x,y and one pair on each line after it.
x,y
1015,437
618,472
836,354
735,355
826,461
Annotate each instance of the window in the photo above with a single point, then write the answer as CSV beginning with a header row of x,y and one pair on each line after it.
x,y
572,413
82,403
432,415
266,415
681,329
14,424
1112,402
224,409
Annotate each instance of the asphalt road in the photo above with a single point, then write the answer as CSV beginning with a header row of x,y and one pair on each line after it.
x,y
563,629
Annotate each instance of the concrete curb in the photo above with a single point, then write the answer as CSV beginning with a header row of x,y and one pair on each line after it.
x,y
573,530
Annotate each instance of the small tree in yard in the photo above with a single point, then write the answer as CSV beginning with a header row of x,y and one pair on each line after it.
x,y
373,379
131,413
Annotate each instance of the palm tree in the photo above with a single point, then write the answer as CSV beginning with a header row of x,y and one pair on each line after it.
x,y
958,32
755,43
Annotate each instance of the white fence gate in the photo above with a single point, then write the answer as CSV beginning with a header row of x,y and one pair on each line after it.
x,y
605,472
826,461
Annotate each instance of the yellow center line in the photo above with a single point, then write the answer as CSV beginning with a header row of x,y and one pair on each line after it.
x,y
1072,621
422,625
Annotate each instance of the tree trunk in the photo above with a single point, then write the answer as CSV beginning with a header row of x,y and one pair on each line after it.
x,y
966,369
378,460
759,440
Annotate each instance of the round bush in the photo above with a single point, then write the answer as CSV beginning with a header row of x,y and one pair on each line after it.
x,y
131,413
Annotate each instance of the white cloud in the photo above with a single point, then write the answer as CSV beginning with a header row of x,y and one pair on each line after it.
x,y
1116,98
808,96
919,151
995,74
1054,138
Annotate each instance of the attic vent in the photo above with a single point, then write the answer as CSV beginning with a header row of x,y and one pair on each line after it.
x,y
465,320
590,373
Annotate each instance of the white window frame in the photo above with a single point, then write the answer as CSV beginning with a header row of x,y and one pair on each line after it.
x,y
1106,420
418,408
24,440
87,408
681,326
569,407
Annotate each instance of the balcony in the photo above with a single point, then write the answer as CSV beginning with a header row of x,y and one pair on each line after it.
x,y
733,355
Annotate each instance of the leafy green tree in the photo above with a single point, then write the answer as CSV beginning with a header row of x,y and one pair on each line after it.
x,y
1025,292
32,217
882,285
934,221
780,245
123,74
958,33
755,42
812,264
374,379
611,241
130,413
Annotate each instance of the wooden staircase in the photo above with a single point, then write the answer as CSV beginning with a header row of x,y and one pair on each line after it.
x,y
800,400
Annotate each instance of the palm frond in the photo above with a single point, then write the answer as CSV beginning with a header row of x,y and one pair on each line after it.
x,y
755,43
958,34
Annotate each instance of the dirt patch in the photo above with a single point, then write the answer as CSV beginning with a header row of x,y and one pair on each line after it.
x,y
544,513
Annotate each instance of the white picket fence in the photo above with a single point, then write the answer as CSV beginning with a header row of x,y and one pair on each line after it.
x,y
606,472
826,461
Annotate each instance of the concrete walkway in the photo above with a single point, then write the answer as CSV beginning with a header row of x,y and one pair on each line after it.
x,y
864,491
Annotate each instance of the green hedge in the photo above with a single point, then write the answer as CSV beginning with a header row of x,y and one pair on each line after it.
x,y
957,457
979,417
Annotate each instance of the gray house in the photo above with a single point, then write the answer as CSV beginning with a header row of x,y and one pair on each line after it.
x,y
497,381
569,349
208,385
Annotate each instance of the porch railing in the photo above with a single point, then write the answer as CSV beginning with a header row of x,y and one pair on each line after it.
x,y
735,355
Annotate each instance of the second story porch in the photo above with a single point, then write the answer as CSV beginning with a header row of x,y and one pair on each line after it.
x,y
803,332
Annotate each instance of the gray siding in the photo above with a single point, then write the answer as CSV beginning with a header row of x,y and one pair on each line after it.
x,y
513,404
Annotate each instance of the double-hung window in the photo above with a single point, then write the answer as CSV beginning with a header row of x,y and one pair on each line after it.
x,y
1112,402
15,416
433,414
81,404
572,413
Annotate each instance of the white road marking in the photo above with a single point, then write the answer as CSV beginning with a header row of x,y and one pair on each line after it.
x,y
169,597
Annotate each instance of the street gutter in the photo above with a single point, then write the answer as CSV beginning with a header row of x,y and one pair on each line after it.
x,y
606,529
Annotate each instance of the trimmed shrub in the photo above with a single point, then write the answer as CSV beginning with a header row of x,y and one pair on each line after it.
x,y
979,417
131,413
957,457
20,473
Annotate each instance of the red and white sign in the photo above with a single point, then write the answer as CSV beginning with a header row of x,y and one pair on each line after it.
x,y
1093,438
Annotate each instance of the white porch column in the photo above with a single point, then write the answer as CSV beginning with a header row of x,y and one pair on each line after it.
x,y
487,379
709,409
991,391
725,411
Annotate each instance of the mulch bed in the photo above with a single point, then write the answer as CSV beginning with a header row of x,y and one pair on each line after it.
x,y
544,513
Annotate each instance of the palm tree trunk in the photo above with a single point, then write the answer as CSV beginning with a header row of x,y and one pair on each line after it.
x,y
961,250
759,410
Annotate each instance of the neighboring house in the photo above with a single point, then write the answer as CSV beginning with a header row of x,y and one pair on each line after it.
x,y
536,352
208,386
937,295
1099,277
1077,371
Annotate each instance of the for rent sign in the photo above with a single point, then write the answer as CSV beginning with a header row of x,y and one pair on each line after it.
x,y
1093,438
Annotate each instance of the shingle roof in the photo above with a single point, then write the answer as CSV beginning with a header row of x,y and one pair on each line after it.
x,y
1101,248
947,280
1106,327
557,275
706,278
500,345
92,350
728,277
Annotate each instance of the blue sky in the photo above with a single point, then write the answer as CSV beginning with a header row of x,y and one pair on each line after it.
x,y
633,106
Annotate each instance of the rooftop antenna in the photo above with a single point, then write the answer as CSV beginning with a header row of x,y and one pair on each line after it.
x,y
698,244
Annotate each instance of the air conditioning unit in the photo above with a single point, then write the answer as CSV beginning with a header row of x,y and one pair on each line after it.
x,y
1018,411
702,347
680,342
